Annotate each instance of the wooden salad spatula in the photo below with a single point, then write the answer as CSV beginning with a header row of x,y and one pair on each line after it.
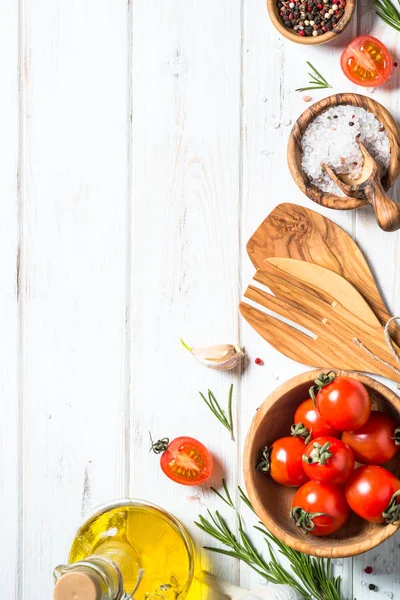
x,y
293,231
335,335
329,282
368,186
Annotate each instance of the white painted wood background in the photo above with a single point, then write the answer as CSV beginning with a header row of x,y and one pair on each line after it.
x,y
139,150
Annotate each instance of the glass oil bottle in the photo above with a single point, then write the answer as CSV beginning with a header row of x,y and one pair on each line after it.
x,y
128,549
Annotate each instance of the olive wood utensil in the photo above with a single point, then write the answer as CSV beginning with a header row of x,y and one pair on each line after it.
x,y
293,231
329,282
339,338
368,186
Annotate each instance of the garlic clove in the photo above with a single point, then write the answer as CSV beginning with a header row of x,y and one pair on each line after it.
x,y
221,356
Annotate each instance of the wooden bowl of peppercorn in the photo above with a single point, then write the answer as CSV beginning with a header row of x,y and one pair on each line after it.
x,y
310,22
294,150
272,502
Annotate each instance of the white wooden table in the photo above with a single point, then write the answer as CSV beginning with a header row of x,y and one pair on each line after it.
x,y
142,142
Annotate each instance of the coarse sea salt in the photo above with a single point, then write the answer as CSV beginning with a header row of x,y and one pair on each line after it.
x,y
331,138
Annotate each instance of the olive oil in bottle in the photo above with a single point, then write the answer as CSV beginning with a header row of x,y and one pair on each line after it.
x,y
149,550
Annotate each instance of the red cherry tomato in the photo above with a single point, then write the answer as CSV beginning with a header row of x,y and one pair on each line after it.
x,y
184,460
283,460
328,460
376,442
343,402
314,498
308,416
371,493
366,61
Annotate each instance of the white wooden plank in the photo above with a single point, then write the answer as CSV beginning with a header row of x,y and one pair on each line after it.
x,y
186,132
10,465
75,126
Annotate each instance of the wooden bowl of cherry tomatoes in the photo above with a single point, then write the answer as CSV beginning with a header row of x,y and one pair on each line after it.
x,y
322,463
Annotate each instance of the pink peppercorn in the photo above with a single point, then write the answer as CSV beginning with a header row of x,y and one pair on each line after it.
x,y
258,361
301,32
368,570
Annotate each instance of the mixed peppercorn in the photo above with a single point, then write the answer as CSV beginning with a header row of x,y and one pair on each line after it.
x,y
311,18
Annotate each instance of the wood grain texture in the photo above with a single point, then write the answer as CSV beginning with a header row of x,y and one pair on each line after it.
x,y
330,282
294,148
369,187
272,501
293,231
329,36
337,332
73,286
186,144
10,398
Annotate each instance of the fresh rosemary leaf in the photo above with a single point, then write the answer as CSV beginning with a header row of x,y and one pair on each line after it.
x,y
311,577
228,500
318,82
245,499
225,418
388,12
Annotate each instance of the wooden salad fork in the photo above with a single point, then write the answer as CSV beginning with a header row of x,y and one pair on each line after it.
x,y
337,337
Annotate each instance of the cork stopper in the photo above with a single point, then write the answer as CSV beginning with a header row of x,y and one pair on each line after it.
x,y
77,586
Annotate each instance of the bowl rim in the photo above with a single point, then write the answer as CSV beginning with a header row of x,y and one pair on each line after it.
x,y
337,550
310,40
309,114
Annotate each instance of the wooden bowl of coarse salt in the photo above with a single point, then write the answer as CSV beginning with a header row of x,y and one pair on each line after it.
x,y
272,501
329,18
327,131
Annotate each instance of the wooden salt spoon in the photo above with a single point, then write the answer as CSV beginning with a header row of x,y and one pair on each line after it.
x,y
368,186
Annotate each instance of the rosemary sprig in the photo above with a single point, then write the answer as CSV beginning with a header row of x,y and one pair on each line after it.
x,y
318,82
312,577
222,416
388,12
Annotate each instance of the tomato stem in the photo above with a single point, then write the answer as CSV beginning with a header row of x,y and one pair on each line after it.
x,y
300,430
160,446
304,520
321,381
396,436
319,455
392,513
264,463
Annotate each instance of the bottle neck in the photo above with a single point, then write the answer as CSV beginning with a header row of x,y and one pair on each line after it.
x,y
96,578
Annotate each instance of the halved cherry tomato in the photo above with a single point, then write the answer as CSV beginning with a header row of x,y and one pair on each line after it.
x,y
366,61
283,460
343,402
184,460
377,441
328,459
373,493
319,508
313,424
